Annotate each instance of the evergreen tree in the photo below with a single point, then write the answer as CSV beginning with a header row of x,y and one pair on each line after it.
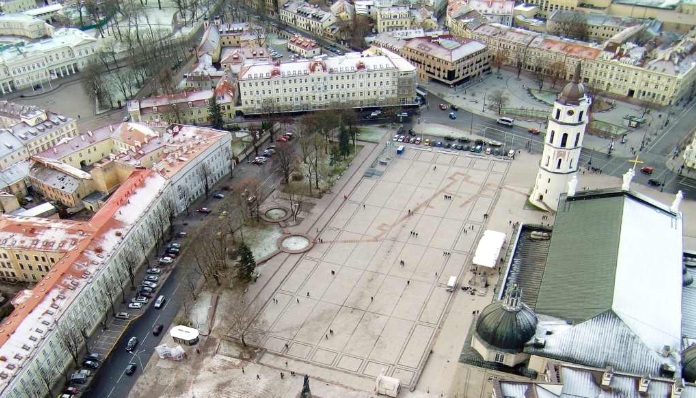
x,y
215,111
344,141
247,264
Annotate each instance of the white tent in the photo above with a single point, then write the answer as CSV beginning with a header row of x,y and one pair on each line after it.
x,y
488,249
389,386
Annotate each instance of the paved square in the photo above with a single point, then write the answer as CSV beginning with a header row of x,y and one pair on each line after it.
x,y
384,314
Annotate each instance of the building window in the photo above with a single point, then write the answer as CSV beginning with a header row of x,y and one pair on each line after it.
x,y
553,133
564,140
558,164
499,357
577,139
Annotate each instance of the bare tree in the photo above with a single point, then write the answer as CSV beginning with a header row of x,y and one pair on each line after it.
x,y
295,199
190,282
285,161
211,258
571,24
69,338
250,193
206,177
130,261
244,324
498,100
142,241
539,72
45,376
499,59
110,300
557,72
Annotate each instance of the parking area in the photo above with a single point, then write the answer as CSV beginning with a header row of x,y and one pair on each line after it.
x,y
370,296
109,337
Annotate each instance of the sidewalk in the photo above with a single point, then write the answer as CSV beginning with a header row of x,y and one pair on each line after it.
x,y
471,98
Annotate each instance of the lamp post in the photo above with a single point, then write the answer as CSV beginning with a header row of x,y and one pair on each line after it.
x,y
483,107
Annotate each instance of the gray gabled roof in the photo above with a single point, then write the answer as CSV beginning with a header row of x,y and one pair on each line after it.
x,y
578,281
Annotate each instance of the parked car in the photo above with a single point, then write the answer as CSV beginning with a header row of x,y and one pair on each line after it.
x,y
204,210
426,142
495,143
149,284
135,306
181,234
259,160
145,289
463,140
76,378
140,300
85,372
443,107
173,251
158,329
447,145
90,364
654,182
154,271
534,131
174,244
438,144
130,369
151,278
452,115
448,138
132,343
71,390
145,294
418,141
647,170
94,357
219,196
166,260
122,315
454,107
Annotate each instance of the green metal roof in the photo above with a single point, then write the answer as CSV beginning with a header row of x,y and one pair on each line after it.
x,y
578,282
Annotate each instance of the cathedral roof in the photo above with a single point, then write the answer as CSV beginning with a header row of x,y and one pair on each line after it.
x,y
507,324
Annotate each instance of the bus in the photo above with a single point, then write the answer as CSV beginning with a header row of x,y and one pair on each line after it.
x,y
421,93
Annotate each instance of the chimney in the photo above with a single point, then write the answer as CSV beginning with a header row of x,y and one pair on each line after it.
x,y
644,383
607,376
677,388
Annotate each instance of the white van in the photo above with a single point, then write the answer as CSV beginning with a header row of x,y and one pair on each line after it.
x,y
452,283
506,121
160,301
511,153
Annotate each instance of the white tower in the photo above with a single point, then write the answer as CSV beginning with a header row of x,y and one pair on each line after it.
x,y
562,144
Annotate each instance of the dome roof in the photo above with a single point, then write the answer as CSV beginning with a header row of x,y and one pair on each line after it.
x,y
573,91
507,325
689,364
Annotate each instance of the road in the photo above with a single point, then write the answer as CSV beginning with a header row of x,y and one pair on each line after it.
x,y
655,154
111,381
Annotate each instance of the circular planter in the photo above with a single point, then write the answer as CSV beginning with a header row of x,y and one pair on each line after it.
x,y
296,243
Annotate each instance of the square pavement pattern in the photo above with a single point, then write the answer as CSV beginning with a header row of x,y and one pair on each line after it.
x,y
384,314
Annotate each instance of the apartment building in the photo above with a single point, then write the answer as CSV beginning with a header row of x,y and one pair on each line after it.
x,y
353,80
28,65
497,11
393,18
112,153
24,26
233,59
448,59
189,107
304,47
81,272
307,17
27,130
461,19
661,76
17,6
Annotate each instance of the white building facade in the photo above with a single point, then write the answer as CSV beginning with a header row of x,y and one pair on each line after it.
x,y
68,51
353,80
562,144
307,17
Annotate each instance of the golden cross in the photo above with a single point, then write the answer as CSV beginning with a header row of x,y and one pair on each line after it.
x,y
635,162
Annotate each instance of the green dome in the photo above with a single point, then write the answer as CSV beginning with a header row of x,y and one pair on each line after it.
x,y
506,327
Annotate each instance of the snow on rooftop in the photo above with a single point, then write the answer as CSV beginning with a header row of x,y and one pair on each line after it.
x,y
647,292
138,202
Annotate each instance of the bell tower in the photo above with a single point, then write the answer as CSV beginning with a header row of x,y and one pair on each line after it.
x,y
562,143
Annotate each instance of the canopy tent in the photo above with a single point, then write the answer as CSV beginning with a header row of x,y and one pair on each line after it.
x,y
488,249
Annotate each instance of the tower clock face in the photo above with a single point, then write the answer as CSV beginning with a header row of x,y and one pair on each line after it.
x,y
570,112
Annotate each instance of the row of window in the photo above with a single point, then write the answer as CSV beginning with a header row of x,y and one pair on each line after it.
x,y
301,98
315,79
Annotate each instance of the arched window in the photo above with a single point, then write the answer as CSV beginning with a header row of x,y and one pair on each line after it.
x,y
577,139
558,113
553,133
558,164
548,159
564,140
570,164
580,116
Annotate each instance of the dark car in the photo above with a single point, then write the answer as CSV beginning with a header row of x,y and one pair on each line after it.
x,y
94,357
158,329
219,195
458,147
71,390
130,369
132,343
204,210
90,364
454,107
449,138
463,140
448,145
438,144
173,250
654,182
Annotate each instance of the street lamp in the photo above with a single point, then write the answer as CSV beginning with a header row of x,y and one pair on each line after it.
x,y
483,107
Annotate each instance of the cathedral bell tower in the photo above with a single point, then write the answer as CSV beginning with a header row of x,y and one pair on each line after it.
x,y
562,144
